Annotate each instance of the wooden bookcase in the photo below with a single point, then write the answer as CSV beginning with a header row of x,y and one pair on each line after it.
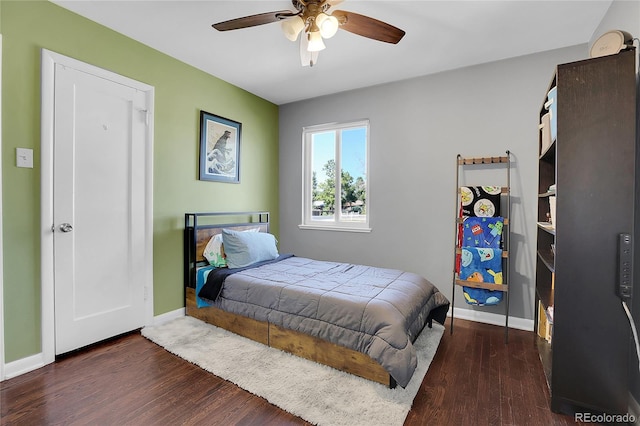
x,y
592,162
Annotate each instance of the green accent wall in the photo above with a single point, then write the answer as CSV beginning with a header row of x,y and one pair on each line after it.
x,y
181,91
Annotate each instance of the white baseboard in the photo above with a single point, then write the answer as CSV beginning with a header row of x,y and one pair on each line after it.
x,y
23,365
168,316
467,314
493,319
33,362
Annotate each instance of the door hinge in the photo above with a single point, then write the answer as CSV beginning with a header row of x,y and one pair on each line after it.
x,y
146,293
146,116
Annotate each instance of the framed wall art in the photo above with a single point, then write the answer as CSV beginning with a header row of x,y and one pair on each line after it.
x,y
219,148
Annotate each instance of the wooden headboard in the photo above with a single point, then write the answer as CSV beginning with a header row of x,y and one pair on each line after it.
x,y
200,227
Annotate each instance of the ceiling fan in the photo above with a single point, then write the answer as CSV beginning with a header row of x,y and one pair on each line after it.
x,y
311,18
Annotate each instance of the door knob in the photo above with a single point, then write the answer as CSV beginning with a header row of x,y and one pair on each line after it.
x,y
66,227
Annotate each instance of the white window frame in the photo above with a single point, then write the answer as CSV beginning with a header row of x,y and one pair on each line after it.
x,y
307,175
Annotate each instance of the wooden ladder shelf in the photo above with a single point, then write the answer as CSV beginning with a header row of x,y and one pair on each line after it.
x,y
505,195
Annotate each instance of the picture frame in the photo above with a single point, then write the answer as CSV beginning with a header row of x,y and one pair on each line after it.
x,y
219,148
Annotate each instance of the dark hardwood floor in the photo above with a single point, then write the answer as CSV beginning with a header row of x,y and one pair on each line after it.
x,y
475,379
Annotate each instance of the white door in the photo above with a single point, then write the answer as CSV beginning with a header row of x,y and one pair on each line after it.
x,y
98,208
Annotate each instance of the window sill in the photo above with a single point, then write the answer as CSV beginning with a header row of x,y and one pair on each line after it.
x,y
334,228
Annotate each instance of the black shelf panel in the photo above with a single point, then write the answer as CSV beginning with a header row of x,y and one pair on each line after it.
x,y
547,227
545,351
549,155
545,294
548,258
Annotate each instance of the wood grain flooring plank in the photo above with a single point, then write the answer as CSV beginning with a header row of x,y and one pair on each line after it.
x,y
474,378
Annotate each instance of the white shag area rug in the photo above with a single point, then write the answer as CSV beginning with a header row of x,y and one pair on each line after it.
x,y
317,393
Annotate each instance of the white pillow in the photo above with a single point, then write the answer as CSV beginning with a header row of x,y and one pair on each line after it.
x,y
246,248
214,252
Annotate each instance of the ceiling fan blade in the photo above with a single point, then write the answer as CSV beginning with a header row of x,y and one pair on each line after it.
x,y
253,20
368,27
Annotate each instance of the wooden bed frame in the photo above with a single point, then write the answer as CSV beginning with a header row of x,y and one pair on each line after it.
x,y
297,343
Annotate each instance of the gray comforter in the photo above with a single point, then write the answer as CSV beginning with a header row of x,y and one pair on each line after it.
x,y
379,312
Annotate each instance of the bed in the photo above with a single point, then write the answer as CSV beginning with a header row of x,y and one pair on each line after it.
x,y
355,318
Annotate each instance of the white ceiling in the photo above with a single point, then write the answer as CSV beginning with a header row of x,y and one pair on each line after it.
x,y
440,36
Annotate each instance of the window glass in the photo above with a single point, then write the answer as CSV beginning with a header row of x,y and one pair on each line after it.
x,y
336,176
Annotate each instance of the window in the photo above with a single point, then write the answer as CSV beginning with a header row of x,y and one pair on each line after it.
x,y
334,200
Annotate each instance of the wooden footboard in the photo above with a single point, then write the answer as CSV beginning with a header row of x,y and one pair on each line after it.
x,y
294,342
243,326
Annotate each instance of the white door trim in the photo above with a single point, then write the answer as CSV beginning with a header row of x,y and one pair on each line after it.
x,y
1,252
49,61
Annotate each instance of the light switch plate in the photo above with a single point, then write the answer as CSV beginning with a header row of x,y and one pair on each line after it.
x,y
24,157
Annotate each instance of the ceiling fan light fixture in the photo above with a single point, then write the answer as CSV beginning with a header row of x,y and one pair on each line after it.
x,y
328,25
315,42
292,27
307,59
310,18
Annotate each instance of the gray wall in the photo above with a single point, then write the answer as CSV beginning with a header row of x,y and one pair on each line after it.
x,y
622,15
418,127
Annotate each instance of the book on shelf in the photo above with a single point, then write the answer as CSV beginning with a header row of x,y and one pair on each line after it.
x,y
545,322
